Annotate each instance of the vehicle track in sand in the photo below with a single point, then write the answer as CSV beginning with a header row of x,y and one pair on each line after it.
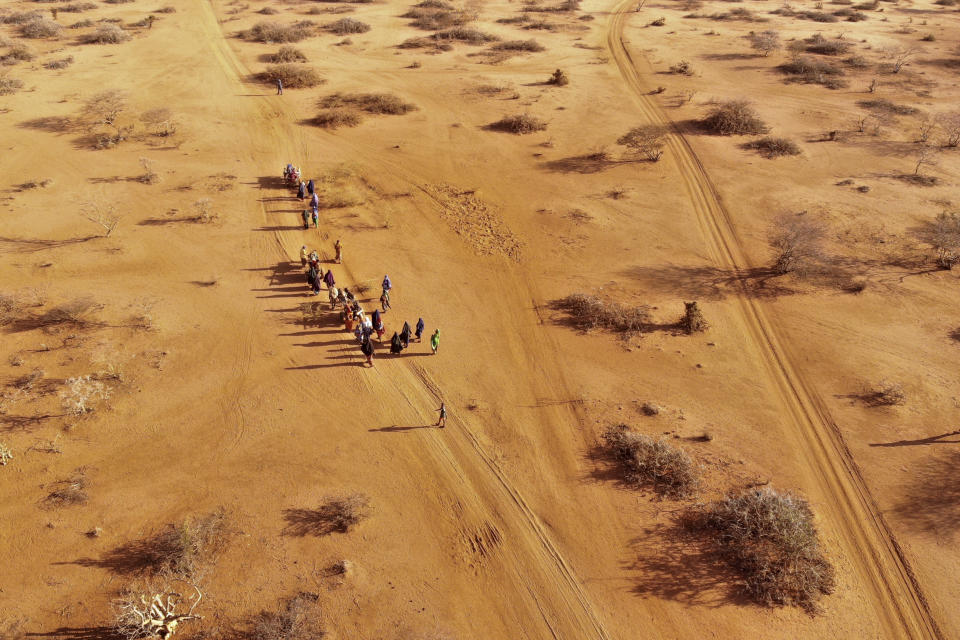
x,y
898,601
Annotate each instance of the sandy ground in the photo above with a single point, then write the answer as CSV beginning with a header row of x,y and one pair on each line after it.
x,y
502,525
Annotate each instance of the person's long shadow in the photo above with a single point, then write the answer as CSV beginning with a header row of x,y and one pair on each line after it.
x,y
395,428
326,366
931,440
79,633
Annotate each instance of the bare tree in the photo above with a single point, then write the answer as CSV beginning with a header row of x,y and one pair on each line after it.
x,y
104,215
103,110
944,235
926,126
153,615
160,121
796,241
149,175
766,42
647,140
926,156
899,56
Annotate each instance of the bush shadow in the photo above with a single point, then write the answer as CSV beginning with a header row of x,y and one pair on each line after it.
x,y
931,502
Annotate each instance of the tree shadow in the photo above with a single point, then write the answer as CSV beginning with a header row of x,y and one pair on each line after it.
x,y
395,429
79,633
585,164
9,423
931,502
137,557
50,124
711,283
31,245
322,521
674,563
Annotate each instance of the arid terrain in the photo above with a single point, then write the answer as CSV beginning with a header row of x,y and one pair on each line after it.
x,y
547,183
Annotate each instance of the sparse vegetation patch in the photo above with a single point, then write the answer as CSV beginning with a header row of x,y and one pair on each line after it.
x,y
519,124
587,312
773,147
646,461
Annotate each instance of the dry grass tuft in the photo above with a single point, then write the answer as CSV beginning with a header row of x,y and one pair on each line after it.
x,y
645,461
69,492
346,26
769,537
9,85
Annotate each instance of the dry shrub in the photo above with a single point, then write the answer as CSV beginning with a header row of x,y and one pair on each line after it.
x,y
519,45
436,18
82,24
296,618
774,147
765,41
648,462
337,514
559,78
943,234
40,28
693,320
69,492
591,312
77,313
166,9
77,7
9,85
464,34
734,117
769,537
812,71
336,118
272,32
183,549
647,140
345,26
160,121
379,103
81,393
21,17
106,34
61,63
797,243
268,11
885,394
17,53
519,124
293,76
818,44
288,54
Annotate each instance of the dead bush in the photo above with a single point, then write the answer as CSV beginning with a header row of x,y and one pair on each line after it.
x,y
296,618
17,53
272,32
943,234
587,312
464,34
21,17
378,103
9,85
648,462
797,242
81,394
434,18
77,7
647,141
774,147
336,118
69,492
61,63
160,121
734,117
770,539
884,394
337,514
823,46
82,24
519,124
288,54
765,42
559,78
103,110
682,68
268,11
812,71
106,34
693,320
40,28
519,45
77,313
882,105
293,75
346,26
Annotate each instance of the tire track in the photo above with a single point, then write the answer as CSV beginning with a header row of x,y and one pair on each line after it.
x,y
898,599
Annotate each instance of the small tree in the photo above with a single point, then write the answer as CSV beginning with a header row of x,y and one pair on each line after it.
x,y
944,235
647,140
693,320
101,214
926,156
160,121
765,42
899,56
103,110
149,175
796,241
559,78
734,117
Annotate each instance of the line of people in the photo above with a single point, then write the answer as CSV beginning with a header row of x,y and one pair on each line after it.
x,y
355,319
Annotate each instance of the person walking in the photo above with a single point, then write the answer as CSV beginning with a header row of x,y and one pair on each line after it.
x,y
387,285
367,349
419,329
435,341
395,346
316,218
332,295
385,300
279,87
311,187
405,335
339,249
314,200
303,256
302,190
328,278
442,421
306,218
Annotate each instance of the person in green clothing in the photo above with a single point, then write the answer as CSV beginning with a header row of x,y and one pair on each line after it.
x,y
306,218
435,341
